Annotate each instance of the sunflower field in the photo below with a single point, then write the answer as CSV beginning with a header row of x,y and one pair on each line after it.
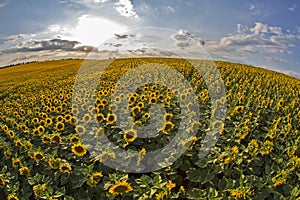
x,y
44,129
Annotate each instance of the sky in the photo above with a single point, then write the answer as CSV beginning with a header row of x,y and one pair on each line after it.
x,y
260,33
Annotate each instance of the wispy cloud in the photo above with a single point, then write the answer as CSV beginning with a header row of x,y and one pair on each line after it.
x,y
292,7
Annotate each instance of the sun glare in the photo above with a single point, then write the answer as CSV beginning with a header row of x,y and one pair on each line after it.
x,y
94,31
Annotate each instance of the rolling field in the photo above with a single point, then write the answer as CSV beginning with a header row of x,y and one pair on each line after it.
x,y
46,138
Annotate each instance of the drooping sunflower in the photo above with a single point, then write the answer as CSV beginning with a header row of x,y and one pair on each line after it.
x,y
18,143
74,139
24,171
16,162
79,149
130,135
94,179
168,116
56,138
65,168
39,189
120,188
46,139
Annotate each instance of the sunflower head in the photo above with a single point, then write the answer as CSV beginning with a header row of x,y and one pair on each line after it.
x,y
16,162
130,135
120,188
24,171
94,179
56,138
60,126
65,168
79,149
111,118
38,156
168,127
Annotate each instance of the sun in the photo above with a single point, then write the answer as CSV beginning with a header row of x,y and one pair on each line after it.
x,y
92,30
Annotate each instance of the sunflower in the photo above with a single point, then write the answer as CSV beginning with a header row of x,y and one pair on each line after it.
x,y
36,132
189,143
12,197
168,116
153,100
79,149
80,129
48,121
46,139
38,156
130,135
87,118
135,110
54,163
94,179
168,126
18,143
60,126
65,168
238,109
111,118
27,145
24,171
59,118
39,189
99,117
35,121
56,138
16,162
68,117
74,139
11,134
120,188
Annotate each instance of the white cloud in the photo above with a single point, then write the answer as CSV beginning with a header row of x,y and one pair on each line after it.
x,y
259,28
125,8
276,30
18,37
251,6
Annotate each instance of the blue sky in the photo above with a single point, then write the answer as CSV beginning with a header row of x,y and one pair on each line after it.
x,y
261,33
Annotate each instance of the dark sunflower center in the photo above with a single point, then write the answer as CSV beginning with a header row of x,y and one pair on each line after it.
x,y
111,118
39,156
121,188
79,149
